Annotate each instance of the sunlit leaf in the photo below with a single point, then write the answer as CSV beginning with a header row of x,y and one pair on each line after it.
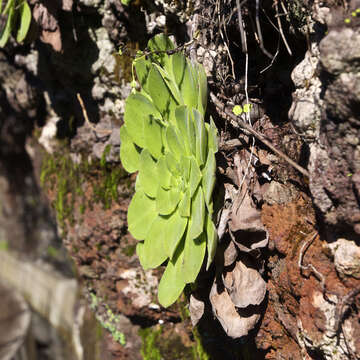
x,y
160,93
153,252
174,230
182,119
129,153
178,62
142,67
202,83
8,27
153,137
138,109
171,85
172,282
163,173
188,87
212,240
185,165
141,214
212,136
25,20
195,176
159,44
201,137
196,223
172,164
174,142
185,204
148,174
208,178
167,200
194,253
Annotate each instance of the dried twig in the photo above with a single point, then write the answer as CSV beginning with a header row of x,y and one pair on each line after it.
x,y
92,127
258,29
237,122
242,31
221,24
311,266
280,28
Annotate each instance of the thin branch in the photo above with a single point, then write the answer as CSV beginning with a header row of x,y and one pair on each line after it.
x,y
258,29
239,123
221,24
92,127
242,31
280,28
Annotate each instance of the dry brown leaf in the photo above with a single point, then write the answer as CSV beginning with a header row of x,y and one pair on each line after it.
x,y
230,254
246,220
196,308
233,324
245,285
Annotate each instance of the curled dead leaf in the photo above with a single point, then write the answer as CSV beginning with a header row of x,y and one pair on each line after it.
x,y
244,285
230,254
233,324
245,221
196,308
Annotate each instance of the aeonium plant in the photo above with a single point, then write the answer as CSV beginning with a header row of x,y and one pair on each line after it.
x,y
167,141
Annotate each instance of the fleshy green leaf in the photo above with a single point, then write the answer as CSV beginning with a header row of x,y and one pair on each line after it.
x,y
8,27
174,231
172,164
153,137
171,84
138,109
196,223
185,165
10,4
185,204
164,174
178,62
172,282
208,178
167,200
159,44
182,119
160,93
174,142
142,67
194,253
195,176
141,214
212,136
148,174
188,87
152,254
211,240
201,137
202,83
25,20
129,153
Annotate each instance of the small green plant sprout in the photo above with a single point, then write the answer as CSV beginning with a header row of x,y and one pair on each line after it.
x,y
165,139
126,2
18,17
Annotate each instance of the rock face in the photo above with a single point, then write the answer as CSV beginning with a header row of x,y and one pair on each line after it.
x,y
286,275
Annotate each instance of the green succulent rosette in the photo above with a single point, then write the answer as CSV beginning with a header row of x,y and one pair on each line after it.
x,y
165,139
